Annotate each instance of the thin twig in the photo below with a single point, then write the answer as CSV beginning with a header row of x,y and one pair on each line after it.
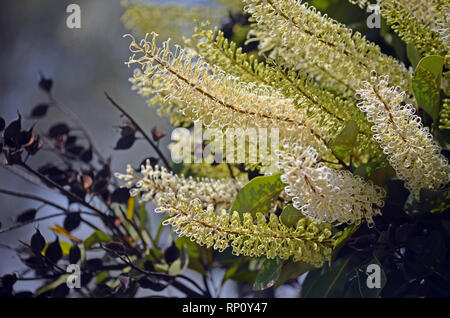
x,y
81,126
61,189
174,283
16,226
33,197
144,134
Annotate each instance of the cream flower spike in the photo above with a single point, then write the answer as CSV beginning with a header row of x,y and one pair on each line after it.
x,y
248,235
327,194
308,40
409,146
156,182
205,92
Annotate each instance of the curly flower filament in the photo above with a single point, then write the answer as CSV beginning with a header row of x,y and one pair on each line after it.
x,y
409,146
326,194
157,182
308,241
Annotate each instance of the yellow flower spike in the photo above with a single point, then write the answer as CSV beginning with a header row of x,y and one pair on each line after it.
x,y
246,236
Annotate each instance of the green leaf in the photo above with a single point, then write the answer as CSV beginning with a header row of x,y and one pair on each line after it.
x,y
177,267
381,175
96,237
292,270
244,276
258,195
426,84
101,277
61,280
366,169
344,237
343,144
65,247
270,271
192,247
413,55
330,283
231,271
290,215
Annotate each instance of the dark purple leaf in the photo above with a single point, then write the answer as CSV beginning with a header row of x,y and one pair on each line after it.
x,y
12,131
35,262
115,248
23,294
78,190
72,221
71,140
127,130
105,173
75,150
157,134
46,84
58,130
126,142
86,156
34,147
54,252
39,111
8,280
25,138
171,254
37,242
26,216
2,124
94,264
100,185
121,196
148,266
74,254
151,283
61,291
13,157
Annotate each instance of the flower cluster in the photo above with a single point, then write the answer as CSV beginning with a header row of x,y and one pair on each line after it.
x,y
205,92
339,58
326,194
308,241
444,120
409,146
423,23
156,182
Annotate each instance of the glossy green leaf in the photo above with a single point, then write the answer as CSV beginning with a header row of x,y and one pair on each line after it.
x,y
366,169
61,280
269,273
413,55
381,175
231,271
344,237
292,270
258,195
177,267
426,84
343,144
290,215
96,237
329,283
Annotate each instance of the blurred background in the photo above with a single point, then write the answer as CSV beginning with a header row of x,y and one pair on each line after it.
x,y
83,63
